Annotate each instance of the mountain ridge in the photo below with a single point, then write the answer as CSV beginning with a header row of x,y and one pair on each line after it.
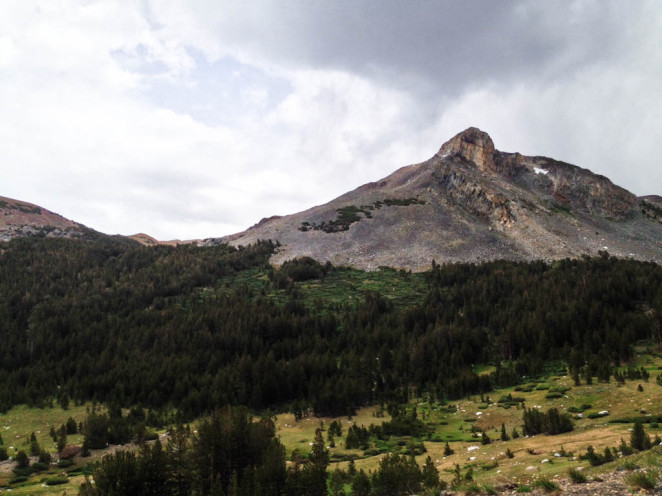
x,y
469,203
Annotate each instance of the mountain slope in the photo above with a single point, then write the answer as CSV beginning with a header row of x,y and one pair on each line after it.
x,y
19,219
470,202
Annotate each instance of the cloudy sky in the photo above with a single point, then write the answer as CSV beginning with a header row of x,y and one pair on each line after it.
x,y
189,119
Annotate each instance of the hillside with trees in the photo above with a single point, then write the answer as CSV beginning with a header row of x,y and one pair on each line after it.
x,y
194,329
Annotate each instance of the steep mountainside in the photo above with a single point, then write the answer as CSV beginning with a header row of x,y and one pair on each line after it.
x,y
19,219
470,202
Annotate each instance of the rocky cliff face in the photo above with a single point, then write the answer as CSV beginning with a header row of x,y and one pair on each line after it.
x,y
470,202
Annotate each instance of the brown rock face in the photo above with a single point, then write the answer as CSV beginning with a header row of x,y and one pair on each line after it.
x,y
472,145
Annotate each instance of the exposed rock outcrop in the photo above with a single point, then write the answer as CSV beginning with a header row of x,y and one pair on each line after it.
x,y
473,145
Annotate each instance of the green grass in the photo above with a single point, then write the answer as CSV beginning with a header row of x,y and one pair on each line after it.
x,y
341,286
20,422
455,422
17,425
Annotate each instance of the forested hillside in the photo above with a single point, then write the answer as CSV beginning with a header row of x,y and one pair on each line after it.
x,y
198,328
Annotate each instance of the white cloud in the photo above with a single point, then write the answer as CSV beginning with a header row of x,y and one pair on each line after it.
x,y
195,120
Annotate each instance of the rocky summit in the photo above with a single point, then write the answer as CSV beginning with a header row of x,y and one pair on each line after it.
x,y
469,203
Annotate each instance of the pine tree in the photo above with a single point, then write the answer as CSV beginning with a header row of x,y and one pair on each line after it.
x,y
504,434
34,446
61,438
315,472
178,449
351,468
22,459
447,450
638,437
337,482
430,474
361,484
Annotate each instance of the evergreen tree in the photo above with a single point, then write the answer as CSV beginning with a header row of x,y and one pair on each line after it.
x,y
22,460
72,427
430,475
314,473
337,483
397,475
639,441
152,469
361,484
447,450
35,449
178,450
351,468
61,438
504,434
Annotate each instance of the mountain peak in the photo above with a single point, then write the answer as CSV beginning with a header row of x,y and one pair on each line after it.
x,y
469,203
473,145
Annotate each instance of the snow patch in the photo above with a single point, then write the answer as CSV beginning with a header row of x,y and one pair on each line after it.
x,y
540,171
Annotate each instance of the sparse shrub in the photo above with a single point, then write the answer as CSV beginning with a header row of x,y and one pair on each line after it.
x,y
629,465
576,476
642,480
488,488
39,466
56,481
624,448
546,484
471,488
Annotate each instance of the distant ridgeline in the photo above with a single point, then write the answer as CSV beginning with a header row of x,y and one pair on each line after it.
x,y
350,214
198,328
